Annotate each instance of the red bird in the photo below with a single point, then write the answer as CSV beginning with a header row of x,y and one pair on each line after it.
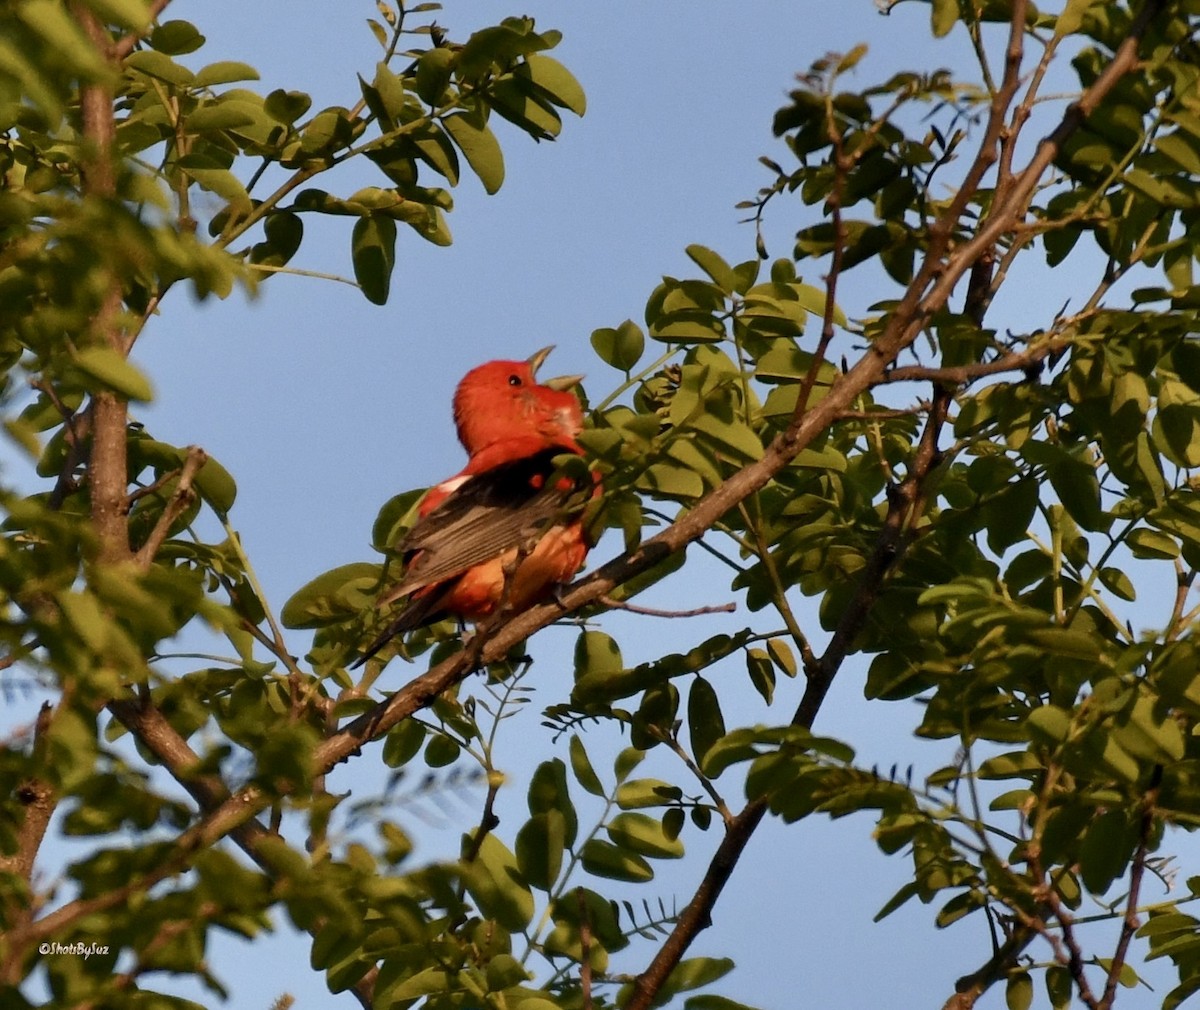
x,y
497,531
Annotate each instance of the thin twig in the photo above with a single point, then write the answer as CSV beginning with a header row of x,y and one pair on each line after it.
x,y
778,591
1183,586
705,782
633,608
488,821
958,375
883,413
842,166
181,498
585,944
276,642
161,481
76,428
1130,921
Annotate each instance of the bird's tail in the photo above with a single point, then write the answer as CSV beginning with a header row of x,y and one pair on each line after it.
x,y
421,609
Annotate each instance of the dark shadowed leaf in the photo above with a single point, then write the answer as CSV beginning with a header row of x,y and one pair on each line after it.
x,y
373,250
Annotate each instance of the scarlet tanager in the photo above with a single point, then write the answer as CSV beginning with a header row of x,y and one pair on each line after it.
x,y
498,531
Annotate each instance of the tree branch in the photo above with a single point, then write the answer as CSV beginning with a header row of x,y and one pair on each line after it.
x,y
106,466
38,800
996,968
124,46
1015,361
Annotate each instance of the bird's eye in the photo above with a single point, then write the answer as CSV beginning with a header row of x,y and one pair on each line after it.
x,y
514,380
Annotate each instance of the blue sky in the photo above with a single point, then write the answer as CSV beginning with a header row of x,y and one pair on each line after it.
x,y
323,405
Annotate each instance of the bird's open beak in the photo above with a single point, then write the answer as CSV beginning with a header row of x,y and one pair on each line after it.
x,y
538,358
560,382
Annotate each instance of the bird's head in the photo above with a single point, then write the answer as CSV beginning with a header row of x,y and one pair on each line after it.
x,y
503,400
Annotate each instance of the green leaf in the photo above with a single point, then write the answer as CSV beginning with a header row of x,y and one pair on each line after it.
x,y
627,761
479,146
132,15
433,74
689,331
1060,987
1106,849
1117,582
943,16
224,72
1127,976
645,835
597,656
1049,723
638,793
712,264
159,65
85,616
1009,514
1150,732
1018,992
216,116
1074,481
585,774
1071,18
706,725
762,673
286,106
557,82
395,517
539,848
373,250
61,35
176,38
1176,431
1182,149
441,751
216,486
781,655
571,911
1151,544
494,881
691,973
813,300
548,791
621,348
216,180
336,595
425,982
671,480
113,371
284,233
403,743
603,859
504,971
1014,764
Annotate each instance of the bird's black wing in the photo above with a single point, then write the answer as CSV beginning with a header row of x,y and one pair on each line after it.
x,y
508,506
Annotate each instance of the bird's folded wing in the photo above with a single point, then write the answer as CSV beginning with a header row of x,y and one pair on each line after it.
x,y
508,506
